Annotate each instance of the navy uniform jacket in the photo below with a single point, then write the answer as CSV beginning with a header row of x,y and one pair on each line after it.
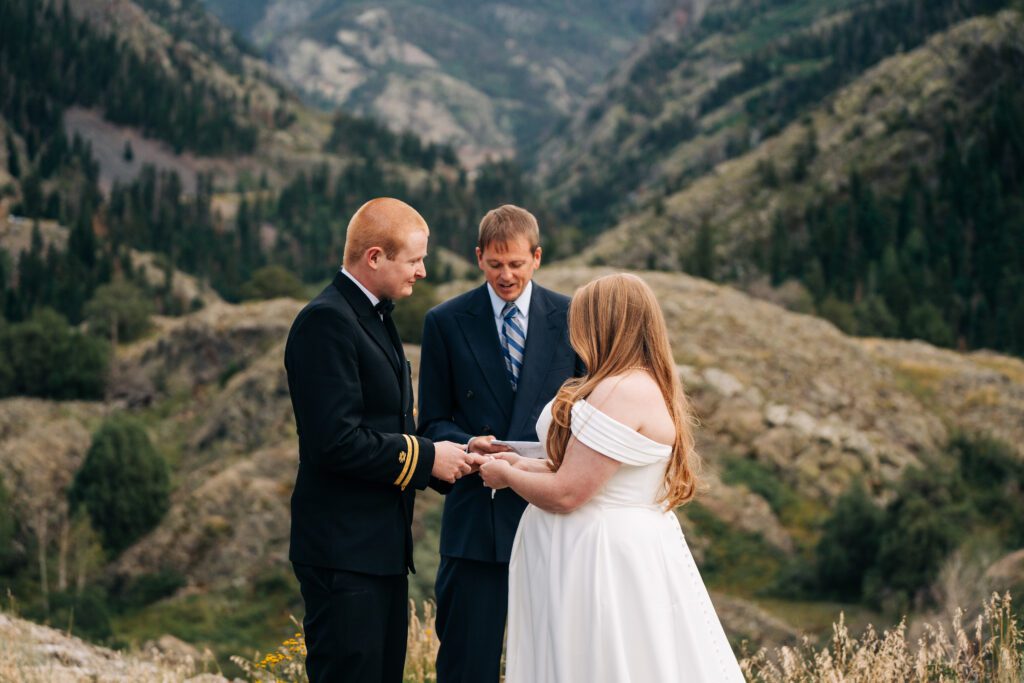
x,y
360,462
465,392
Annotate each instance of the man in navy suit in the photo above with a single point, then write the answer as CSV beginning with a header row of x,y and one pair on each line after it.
x,y
491,360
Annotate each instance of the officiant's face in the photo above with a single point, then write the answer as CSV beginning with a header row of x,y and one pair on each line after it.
x,y
508,266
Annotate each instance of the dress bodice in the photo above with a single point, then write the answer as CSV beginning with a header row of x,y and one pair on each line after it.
x,y
640,480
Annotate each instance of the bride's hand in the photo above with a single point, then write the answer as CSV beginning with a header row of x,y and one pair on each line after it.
x,y
511,458
495,473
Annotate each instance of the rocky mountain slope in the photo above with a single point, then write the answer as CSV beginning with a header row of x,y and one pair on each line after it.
x,y
192,47
790,392
485,77
248,128
37,654
889,120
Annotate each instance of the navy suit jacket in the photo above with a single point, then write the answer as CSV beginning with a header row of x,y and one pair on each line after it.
x,y
465,392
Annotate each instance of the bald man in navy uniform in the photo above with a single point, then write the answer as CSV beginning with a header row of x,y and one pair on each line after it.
x,y
360,460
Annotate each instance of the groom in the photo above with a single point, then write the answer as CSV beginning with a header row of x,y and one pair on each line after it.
x,y
490,360
360,461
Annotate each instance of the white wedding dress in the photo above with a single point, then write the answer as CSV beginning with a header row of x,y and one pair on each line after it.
x,y
609,593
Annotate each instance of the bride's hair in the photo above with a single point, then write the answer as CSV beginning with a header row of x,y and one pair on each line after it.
x,y
615,324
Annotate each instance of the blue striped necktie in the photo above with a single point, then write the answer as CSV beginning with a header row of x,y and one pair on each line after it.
x,y
513,342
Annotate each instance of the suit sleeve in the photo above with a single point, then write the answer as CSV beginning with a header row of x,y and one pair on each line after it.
x,y
323,373
436,393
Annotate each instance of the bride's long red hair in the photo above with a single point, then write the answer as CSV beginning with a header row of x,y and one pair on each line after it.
x,y
615,324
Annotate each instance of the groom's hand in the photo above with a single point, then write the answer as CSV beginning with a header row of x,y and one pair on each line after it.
x,y
451,461
485,445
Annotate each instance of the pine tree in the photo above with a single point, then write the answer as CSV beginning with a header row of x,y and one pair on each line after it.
x,y
702,262
13,163
124,484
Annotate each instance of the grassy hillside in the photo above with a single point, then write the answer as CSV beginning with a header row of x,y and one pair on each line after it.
x,y
793,414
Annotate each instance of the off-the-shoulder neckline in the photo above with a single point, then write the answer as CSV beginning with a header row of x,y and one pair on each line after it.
x,y
613,420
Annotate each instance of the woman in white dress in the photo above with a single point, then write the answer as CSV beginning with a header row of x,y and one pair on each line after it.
x,y
602,586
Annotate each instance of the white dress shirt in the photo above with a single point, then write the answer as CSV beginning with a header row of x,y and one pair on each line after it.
x,y
523,302
369,295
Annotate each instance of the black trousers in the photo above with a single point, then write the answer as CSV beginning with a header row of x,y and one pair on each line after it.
x,y
472,603
356,625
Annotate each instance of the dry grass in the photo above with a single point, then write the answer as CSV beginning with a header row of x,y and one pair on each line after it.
x,y
989,649
286,664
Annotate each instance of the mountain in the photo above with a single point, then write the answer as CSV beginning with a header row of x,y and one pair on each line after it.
x,y
148,126
487,78
866,151
793,412
687,99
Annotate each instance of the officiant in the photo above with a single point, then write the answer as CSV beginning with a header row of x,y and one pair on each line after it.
x,y
491,359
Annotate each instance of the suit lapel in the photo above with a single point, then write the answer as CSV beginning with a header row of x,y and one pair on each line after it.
x,y
541,336
368,318
481,333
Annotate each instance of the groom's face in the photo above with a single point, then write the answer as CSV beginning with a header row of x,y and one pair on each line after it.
x,y
508,266
396,277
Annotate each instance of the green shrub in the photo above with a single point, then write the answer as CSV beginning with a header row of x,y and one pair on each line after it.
x,y
735,560
148,588
271,282
839,313
926,322
84,614
848,546
118,311
995,477
45,357
409,312
123,483
760,479
7,522
895,554
927,520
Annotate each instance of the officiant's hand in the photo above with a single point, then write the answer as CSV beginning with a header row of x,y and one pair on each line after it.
x,y
495,473
485,445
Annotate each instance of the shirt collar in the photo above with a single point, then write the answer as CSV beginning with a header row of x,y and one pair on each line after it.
x,y
523,302
369,295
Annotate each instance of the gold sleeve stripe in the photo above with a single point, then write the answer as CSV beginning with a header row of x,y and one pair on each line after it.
x,y
415,460
407,459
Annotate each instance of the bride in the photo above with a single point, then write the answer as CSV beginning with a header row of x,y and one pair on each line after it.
x,y
602,586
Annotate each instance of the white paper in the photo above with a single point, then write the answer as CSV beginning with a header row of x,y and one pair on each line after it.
x,y
527,449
